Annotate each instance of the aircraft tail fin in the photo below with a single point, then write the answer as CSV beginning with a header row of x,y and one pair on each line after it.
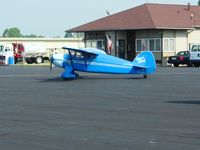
x,y
145,60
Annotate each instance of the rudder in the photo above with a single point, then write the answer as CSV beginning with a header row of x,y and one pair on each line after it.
x,y
145,60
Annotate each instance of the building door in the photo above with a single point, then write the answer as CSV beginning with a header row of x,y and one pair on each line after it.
x,y
131,45
121,49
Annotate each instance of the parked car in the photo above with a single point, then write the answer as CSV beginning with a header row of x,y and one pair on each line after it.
x,y
182,57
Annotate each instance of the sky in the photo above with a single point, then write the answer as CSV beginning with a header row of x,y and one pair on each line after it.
x,y
51,18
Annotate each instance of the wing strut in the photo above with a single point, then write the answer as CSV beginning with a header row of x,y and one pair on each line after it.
x,y
70,55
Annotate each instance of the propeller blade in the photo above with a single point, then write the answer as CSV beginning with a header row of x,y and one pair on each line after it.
x,y
51,63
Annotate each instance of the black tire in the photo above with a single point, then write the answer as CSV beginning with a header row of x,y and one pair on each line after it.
x,y
16,60
39,60
196,65
189,65
29,61
176,65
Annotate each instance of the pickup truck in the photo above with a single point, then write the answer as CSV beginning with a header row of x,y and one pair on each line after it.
x,y
181,57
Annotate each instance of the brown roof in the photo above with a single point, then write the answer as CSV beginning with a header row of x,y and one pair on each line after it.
x,y
147,16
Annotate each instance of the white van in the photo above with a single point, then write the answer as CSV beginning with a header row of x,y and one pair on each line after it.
x,y
195,54
6,52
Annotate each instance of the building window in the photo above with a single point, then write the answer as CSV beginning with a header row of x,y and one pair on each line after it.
x,y
139,45
166,44
158,45
169,44
153,44
91,35
100,44
145,45
89,43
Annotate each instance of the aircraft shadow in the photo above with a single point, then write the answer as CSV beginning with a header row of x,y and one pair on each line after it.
x,y
59,79
108,77
194,102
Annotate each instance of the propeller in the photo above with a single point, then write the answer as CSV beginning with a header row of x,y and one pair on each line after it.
x,y
51,63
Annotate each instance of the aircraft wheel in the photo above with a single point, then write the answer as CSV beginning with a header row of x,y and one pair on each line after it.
x,y
77,75
144,76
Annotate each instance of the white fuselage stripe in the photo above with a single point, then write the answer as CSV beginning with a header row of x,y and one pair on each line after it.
x,y
82,62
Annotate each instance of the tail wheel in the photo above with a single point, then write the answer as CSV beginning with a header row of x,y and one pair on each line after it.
x,y
144,76
39,60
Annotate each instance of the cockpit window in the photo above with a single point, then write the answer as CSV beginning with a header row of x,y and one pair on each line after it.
x,y
76,54
89,56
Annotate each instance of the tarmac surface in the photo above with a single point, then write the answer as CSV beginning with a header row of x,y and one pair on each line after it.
x,y
40,111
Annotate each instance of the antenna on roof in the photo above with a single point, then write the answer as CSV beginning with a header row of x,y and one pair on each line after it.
x,y
188,6
107,12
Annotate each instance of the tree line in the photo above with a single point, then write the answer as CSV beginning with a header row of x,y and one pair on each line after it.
x,y
15,32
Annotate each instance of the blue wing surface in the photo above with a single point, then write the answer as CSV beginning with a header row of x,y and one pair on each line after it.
x,y
93,51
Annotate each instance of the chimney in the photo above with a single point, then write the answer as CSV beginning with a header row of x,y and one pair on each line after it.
x,y
188,6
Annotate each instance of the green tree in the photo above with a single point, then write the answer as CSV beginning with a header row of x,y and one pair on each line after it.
x,y
74,35
199,3
15,32
68,35
12,32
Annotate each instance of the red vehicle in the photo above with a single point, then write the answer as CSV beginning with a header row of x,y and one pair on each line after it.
x,y
18,50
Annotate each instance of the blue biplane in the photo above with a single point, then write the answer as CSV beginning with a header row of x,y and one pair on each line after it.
x,y
97,61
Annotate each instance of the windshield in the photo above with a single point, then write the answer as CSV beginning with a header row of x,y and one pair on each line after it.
x,y
183,53
195,48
